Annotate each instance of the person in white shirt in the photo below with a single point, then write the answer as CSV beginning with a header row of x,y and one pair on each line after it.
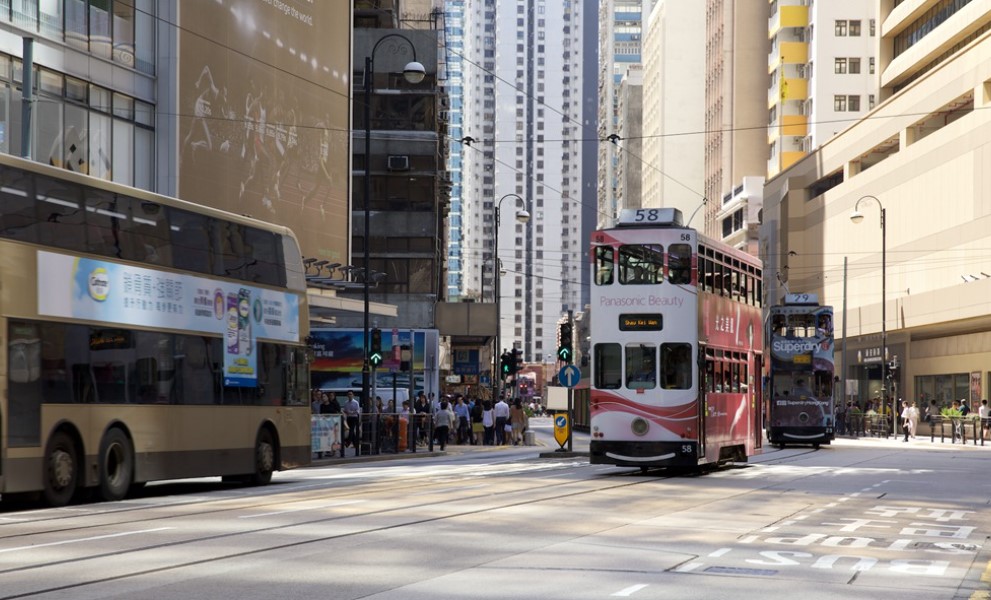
x,y
501,417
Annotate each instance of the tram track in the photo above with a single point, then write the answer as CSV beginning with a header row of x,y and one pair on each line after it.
x,y
555,492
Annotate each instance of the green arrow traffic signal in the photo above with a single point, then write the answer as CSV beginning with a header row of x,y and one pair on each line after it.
x,y
564,353
375,358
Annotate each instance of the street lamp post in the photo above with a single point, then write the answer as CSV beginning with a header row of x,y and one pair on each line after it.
x,y
856,216
414,73
522,216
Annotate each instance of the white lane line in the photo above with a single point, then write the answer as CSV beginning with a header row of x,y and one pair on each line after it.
x,y
769,529
720,552
633,589
843,499
89,539
855,494
831,505
748,539
688,567
293,510
801,517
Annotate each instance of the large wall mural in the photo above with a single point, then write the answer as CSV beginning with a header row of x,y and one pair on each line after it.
x,y
264,115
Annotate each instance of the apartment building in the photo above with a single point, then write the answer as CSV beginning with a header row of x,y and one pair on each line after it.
x,y
523,111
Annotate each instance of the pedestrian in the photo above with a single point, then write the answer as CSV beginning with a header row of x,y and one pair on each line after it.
x,y
463,416
443,419
906,419
964,409
517,420
352,414
913,419
477,427
488,423
501,418
982,412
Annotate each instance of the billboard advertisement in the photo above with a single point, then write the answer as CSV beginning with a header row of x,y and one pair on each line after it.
x,y
100,290
264,114
338,359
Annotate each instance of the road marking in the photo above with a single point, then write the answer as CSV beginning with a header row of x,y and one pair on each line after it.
x,y
292,510
89,539
749,539
633,589
688,567
720,552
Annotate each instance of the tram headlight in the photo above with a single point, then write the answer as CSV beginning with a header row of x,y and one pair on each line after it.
x,y
640,426
803,417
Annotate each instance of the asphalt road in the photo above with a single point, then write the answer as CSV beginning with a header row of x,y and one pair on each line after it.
x,y
860,519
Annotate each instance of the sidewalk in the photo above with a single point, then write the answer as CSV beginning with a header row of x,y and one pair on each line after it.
x,y
544,445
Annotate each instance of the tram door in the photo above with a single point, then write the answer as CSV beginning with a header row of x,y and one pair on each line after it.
x,y
757,399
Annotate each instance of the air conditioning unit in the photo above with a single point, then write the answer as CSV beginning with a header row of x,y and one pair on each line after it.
x,y
398,162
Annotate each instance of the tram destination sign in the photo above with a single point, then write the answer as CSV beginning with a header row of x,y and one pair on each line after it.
x,y
641,322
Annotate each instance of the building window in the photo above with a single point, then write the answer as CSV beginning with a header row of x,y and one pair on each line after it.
x,y
854,28
854,64
839,66
870,65
839,103
873,27
870,101
840,30
853,103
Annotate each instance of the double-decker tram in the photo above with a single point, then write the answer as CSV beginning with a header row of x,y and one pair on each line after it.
x,y
676,345
144,338
800,372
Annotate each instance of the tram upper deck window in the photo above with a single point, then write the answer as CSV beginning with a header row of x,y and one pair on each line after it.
x,y
641,264
680,264
604,265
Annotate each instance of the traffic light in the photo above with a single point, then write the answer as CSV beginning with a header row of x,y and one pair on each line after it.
x,y
375,354
564,351
517,361
505,364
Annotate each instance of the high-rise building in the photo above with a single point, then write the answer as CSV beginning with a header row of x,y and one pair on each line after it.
x,y
620,39
523,111
673,115
736,86
822,66
451,82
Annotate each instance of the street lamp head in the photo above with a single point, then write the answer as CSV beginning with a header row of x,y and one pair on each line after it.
x,y
522,216
856,216
414,72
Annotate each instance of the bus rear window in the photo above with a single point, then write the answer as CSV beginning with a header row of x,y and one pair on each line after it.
x,y
641,264
680,264
604,265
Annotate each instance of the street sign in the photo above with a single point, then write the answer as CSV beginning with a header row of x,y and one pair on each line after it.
x,y
569,376
561,428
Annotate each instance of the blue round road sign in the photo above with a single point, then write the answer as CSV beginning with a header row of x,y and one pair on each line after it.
x,y
569,376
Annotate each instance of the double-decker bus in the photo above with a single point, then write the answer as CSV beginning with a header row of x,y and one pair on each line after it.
x,y
800,372
144,338
676,342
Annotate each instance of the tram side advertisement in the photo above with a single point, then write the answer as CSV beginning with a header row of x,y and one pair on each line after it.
x,y
801,368
110,292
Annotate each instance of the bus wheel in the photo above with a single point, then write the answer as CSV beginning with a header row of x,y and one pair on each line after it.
x,y
264,458
61,470
116,465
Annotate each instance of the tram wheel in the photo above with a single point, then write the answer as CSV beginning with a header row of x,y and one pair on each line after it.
x,y
815,446
264,458
116,465
644,469
61,466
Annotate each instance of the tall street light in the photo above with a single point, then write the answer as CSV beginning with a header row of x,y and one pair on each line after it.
x,y
414,73
522,216
856,216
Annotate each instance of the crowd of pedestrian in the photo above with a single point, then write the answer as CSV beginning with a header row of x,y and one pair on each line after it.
x,y
454,419
876,418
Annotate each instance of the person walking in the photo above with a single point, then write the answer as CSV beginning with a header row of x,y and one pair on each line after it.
x,y
501,418
443,419
906,419
462,415
352,414
517,419
488,423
